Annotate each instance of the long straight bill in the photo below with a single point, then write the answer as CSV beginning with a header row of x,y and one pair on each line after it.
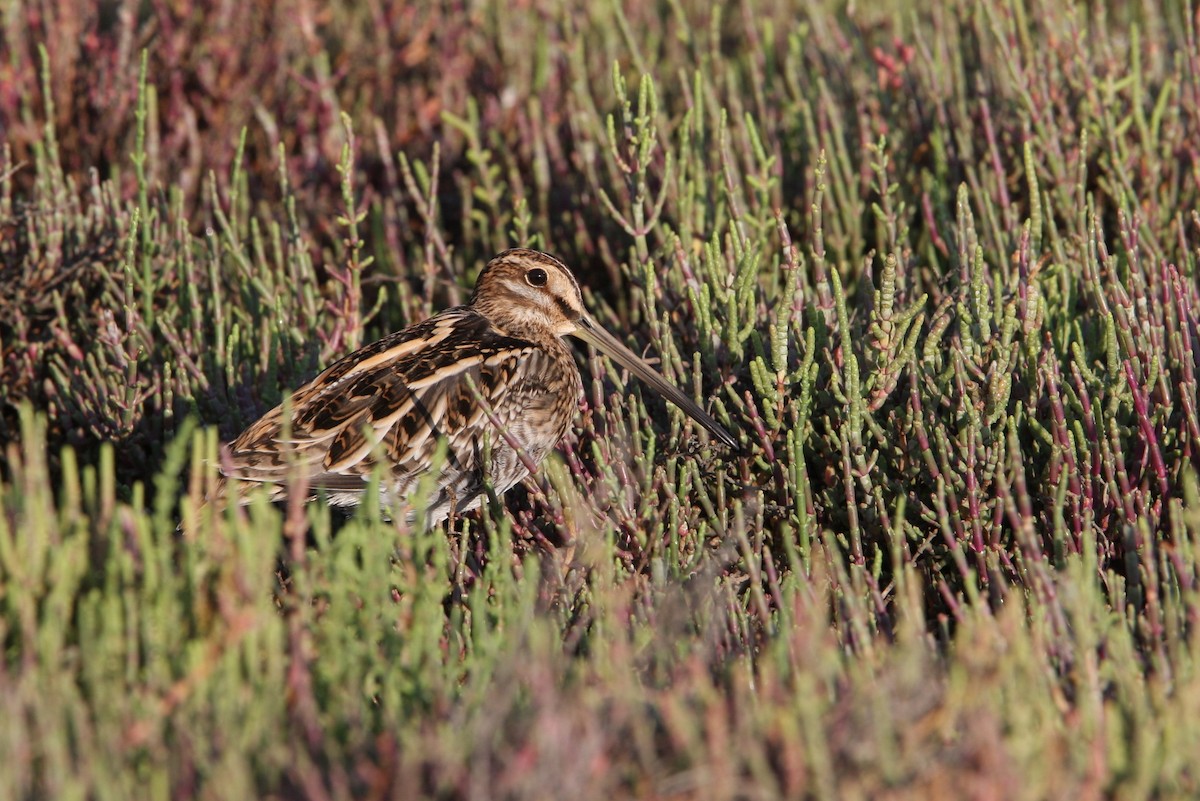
x,y
589,331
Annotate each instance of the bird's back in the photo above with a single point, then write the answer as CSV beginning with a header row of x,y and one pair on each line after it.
x,y
387,405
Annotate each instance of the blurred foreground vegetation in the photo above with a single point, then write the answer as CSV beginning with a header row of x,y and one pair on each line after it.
x,y
936,267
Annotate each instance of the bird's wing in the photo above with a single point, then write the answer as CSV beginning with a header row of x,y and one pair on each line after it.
x,y
389,402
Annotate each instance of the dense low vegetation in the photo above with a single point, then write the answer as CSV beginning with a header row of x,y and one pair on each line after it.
x,y
936,266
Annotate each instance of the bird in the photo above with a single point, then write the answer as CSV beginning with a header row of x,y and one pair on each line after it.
x,y
492,379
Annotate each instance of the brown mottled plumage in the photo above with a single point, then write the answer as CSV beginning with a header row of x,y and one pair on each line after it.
x,y
486,376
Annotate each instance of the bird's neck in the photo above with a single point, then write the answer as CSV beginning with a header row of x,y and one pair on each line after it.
x,y
516,320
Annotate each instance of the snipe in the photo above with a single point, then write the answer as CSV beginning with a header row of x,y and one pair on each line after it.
x,y
489,377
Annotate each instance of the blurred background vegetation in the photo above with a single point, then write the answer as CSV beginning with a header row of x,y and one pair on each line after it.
x,y
935,265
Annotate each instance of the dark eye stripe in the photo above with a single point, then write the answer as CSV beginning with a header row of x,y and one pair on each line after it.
x,y
566,309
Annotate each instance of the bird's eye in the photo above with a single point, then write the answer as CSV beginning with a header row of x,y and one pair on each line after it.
x,y
536,277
